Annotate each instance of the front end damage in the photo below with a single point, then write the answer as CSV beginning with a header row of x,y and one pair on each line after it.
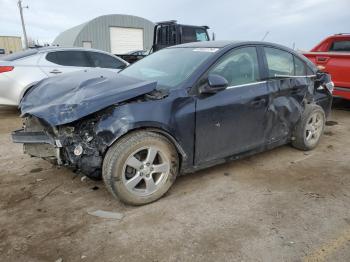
x,y
63,128
79,145
72,145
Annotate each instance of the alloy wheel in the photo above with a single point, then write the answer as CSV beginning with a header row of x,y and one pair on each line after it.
x,y
314,128
145,171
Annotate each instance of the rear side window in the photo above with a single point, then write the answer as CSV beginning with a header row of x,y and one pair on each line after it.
x,y
279,62
340,46
300,68
105,61
69,58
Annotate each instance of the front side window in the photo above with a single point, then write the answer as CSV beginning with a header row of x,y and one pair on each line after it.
x,y
201,35
340,46
169,67
279,62
69,58
105,61
238,67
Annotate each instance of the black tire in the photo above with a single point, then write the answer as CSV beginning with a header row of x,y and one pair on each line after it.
x,y
301,132
115,167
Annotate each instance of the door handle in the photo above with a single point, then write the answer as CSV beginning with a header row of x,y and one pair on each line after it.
x,y
321,59
258,102
55,71
294,90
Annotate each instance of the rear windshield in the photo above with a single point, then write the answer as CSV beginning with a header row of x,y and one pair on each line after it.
x,y
19,55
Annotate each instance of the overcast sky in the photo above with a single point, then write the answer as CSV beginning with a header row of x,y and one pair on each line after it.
x,y
303,22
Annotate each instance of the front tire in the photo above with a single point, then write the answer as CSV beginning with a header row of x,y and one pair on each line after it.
x,y
310,127
140,168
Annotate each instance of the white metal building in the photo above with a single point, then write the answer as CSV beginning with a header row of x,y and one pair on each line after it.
x,y
117,34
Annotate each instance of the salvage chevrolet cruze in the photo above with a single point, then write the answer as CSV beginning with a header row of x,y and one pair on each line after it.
x,y
176,111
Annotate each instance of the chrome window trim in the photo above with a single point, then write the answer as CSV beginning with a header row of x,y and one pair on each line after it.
x,y
289,76
249,84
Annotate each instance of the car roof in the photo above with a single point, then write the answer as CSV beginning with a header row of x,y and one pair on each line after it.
x,y
206,44
232,44
58,48
40,50
223,43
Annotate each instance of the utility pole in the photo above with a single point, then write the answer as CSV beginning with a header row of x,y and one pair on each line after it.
x,y
23,25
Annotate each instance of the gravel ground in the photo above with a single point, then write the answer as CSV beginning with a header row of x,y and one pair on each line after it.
x,y
281,205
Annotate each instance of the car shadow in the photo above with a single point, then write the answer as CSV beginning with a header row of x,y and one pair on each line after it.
x,y
341,104
7,111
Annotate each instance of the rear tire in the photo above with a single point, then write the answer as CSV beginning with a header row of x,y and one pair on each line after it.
x,y
310,127
140,168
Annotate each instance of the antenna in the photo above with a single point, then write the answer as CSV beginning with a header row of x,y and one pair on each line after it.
x,y
266,34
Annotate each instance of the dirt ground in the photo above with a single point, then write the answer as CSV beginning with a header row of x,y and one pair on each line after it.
x,y
281,205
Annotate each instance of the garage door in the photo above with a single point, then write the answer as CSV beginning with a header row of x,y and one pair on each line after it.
x,y
124,40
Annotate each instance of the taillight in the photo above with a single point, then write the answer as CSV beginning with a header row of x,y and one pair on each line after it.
x,y
4,69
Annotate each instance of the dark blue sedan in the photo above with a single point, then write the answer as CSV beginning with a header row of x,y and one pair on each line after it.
x,y
178,110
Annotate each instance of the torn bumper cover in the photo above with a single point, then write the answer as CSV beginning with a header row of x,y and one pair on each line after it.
x,y
38,144
21,136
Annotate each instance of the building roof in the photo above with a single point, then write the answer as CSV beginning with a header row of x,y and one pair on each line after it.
x,y
10,36
68,37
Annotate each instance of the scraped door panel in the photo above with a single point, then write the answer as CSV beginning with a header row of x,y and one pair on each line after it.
x,y
289,88
285,107
230,122
233,120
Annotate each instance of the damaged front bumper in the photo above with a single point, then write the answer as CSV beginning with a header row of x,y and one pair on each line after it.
x,y
73,146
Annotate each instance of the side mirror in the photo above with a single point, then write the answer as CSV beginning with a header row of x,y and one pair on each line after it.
x,y
215,84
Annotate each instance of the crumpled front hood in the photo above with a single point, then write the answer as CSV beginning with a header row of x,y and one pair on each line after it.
x,y
68,97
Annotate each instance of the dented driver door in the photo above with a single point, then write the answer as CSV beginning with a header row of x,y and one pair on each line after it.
x,y
230,122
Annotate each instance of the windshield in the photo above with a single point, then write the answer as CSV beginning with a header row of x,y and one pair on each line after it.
x,y
169,67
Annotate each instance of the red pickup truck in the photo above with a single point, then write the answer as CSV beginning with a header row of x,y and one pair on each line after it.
x,y
334,54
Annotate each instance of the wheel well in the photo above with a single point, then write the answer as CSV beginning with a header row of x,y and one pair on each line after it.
x,y
181,153
25,92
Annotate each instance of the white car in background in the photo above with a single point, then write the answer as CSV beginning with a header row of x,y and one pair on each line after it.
x,y
20,71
